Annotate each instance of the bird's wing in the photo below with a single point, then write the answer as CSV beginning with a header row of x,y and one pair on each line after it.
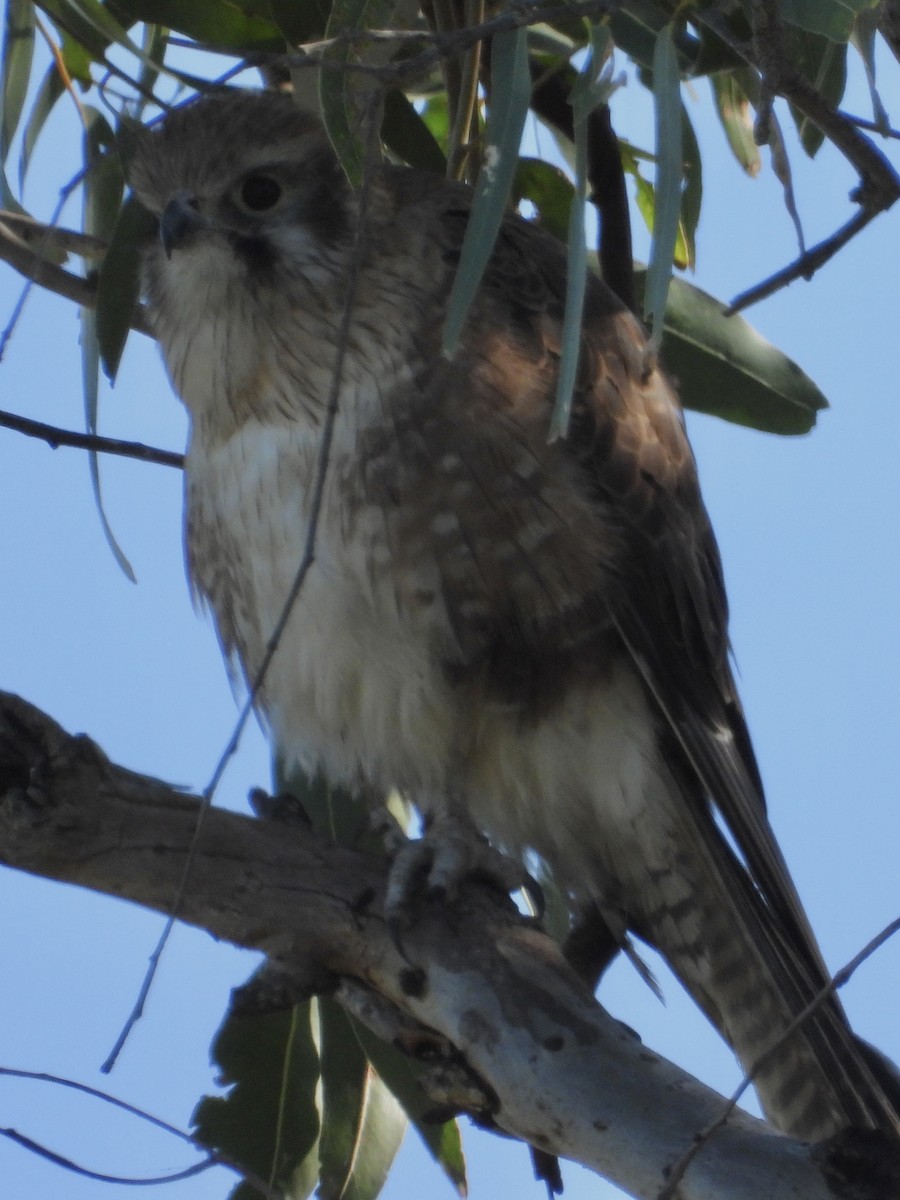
x,y
662,592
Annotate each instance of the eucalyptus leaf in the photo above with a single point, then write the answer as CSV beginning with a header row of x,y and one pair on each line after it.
x,y
362,1123
865,29
733,111
669,167
103,187
343,95
334,812
119,282
407,135
591,88
442,1139
49,91
824,64
303,22
549,189
15,68
692,193
215,24
269,1120
511,94
832,19
724,367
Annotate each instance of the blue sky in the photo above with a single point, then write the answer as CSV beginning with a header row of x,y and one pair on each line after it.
x,y
809,534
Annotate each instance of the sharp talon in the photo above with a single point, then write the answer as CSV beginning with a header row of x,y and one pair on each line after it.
x,y
450,851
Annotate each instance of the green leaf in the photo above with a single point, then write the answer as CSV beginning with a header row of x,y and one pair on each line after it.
x,y
70,20
300,22
119,282
15,68
692,194
103,187
215,24
442,1139
724,367
269,1120
511,92
824,65
635,28
832,19
49,91
342,94
335,812
407,135
863,38
362,1123
592,87
669,166
733,110
76,59
549,189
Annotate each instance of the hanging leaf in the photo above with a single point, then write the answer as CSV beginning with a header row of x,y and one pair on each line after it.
x,y
667,209
49,91
832,19
863,38
300,22
406,134
691,195
362,1123
269,1120
442,1139
15,68
119,283
343,94
549,189
824,64
103,188
724,367
734,113
592,88
215,24
511,93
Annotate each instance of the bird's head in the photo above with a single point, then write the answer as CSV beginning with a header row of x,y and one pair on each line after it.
x,y
241,182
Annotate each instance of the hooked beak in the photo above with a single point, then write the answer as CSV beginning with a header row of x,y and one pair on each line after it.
x,y
179,219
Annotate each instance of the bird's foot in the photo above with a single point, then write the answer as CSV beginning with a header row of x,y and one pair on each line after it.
x,y
450,851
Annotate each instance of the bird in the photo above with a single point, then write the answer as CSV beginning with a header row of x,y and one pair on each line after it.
x,y
528,637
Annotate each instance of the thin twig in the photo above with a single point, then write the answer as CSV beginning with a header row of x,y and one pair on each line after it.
x,y
803,267
54,436
444,45
306,562
68,1164
865,123
52,238
837,981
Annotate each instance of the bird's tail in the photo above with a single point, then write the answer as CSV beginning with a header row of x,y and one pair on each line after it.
x,y
767,995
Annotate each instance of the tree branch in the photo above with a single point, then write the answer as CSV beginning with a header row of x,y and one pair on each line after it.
x,y
55,437
560,1072
23,258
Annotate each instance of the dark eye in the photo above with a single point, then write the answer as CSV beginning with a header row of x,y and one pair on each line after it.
x,y
259,192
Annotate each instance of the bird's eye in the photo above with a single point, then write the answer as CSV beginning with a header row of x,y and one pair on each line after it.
x,y
260,192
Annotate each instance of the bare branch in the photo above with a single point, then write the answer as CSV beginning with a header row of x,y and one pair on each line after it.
x,y
54,436
16,251
803,267
559,1071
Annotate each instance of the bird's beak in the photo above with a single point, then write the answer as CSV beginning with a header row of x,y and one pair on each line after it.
x,y
179,219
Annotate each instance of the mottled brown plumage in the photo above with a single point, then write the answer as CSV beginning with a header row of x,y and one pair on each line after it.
x,y
534,634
